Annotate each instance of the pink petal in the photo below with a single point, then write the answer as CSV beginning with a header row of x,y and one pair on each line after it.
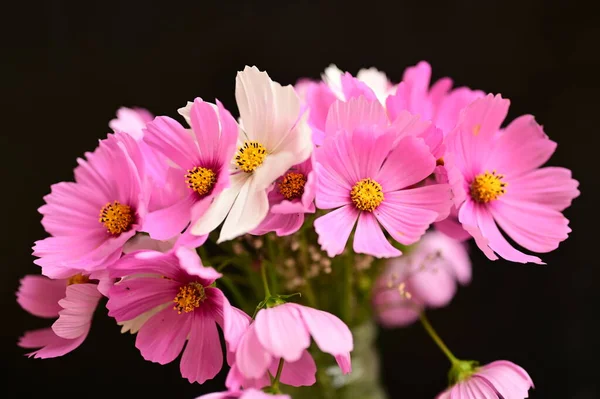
x,y
234,322
162,337
203,358
477,388
131,121
329,332
345,363
301,373
205,125
235,380
409,163
78,306
449,109
467,216
319,98
369,238
135,296
147,262
281,224
333,191
358,112
497,242
352,87
51,344
281,332
338,159
251,358
168,222
191,263
169,138
334,229
435,285
552,187
39,295
520,148
452,228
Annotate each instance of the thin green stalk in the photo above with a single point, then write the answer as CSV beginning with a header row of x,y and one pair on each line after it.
x,y
436,338
237,295
263,273
275,383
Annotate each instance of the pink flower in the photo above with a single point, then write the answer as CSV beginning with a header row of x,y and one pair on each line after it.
x,y
247,394
496,180
284,332
91,219
367,169
292,196
72,300
499,379
172,292
424,278
197,169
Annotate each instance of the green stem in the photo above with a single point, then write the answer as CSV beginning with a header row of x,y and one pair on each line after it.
x,y
347,289
263,273
436,338
275,383
237,295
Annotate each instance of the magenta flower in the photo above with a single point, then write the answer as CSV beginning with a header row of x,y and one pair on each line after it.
x,y
198,165
246,394
173,295
72,300
292,196
367,171
284,332
424,278
498,380
91,219
497,181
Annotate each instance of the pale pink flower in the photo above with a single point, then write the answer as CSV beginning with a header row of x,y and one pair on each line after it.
x,y
196,165
498,380
497,182
273,137
292,196
368,170
173,290
246,394
91,219
73,301
284,332
426,277
131,121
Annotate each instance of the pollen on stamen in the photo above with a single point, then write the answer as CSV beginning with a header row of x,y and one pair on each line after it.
x,y
78,279
292,185
250,156
367,195
487,187
189,297
201,180
116,217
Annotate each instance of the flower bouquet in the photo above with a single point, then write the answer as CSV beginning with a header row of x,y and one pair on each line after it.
x,y
323,209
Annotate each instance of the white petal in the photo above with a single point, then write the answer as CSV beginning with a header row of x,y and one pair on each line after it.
x,y
185,112
333,77
268,110
249,209
377,81
221,205
134,325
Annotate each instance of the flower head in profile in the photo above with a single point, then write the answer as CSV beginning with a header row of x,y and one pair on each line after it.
x,y
196,166
273,137
498,380
246,394
283,333
72,300
90,220
173,295
369,171
498,183
426,277
292,196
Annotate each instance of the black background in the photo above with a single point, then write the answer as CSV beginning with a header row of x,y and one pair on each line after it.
x,y
67,66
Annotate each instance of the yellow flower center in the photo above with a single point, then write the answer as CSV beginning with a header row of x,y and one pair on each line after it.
x,y
78,279
201,180
367,195
292,185
116,217
250,156
487,187
189,297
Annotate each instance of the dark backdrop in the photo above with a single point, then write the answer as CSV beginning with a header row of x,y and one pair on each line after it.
x,y
66,68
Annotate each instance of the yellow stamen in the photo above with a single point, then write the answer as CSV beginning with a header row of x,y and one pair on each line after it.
x,y
487,187
78,279
201,180
292,185
189,297
367,194
250,156
116,217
